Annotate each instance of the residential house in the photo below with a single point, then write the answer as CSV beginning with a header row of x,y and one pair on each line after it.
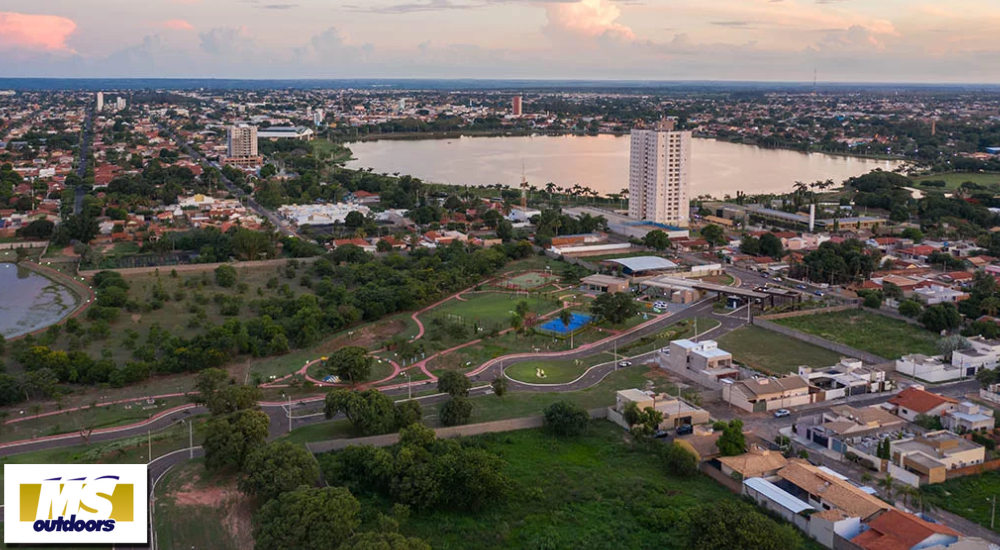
x,y
920,252
938,294
358,242
981,353
929,368
701,361
968,417
916,401
756,462
676,412
929,456
364,197
845,428
604,283
898,530
522,215
767,394
847,378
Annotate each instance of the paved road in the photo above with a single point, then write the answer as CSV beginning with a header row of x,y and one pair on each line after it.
x,y
81,170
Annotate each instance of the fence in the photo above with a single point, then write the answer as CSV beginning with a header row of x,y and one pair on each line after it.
x,y
975,469
443,433
803,313
820,342
724,480
886,311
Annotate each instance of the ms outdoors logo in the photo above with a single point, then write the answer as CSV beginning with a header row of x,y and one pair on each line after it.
x,y
73,503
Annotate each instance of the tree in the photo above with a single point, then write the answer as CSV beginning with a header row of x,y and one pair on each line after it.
x,y
268,171
950,344
873,300
941,317
645,422
225,276
456,411
499,386
714,234
912,233
888,484
735,524
657,240
408,412
230,439
732,441
370,411
990,305
454,384
564,418
505,230
679,461
750,245
307,519
566,318
252,245
351,363
987,377
892,291
354,219
416,435
910,308
276,468
384,541
615,308
770,245
221,395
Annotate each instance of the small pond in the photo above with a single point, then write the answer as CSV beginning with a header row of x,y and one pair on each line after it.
x,y
30,301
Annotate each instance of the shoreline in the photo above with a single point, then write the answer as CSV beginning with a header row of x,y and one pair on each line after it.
x,y
458,134
84,295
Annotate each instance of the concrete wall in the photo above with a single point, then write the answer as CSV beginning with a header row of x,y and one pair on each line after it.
x,y
803,313
23,244
821,342
724,480
442,433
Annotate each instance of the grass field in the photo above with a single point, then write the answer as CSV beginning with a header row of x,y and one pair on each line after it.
x,y
954,179
556,372
969,496
771,352
96,418
883,336
198,510
486,309
676,331
588,492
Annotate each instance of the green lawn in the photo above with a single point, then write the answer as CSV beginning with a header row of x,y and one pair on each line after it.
x,y
676,331
96,418
556,372
955,179
486,309
771,352
590,492
968,496
883,336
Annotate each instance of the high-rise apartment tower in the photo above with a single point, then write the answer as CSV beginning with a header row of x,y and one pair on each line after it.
x,y
659,176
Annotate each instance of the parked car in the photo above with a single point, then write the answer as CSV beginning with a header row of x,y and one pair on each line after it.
x,y
819,293
764,275
661,433
782,413
800,287
685,429
777,279
624,364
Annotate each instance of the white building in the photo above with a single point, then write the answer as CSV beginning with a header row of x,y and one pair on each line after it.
x,y
286,132
320,214
659,175
242,141
100,101
120,103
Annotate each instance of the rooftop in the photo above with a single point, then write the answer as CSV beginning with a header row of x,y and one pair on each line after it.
x,y
644,263
897,530
831,488
777,495
919,400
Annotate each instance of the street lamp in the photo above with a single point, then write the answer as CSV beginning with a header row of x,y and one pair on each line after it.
x,y
409,388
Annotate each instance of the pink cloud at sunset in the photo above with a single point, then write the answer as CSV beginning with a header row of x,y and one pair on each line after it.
x,y
35,32
178,25
590,18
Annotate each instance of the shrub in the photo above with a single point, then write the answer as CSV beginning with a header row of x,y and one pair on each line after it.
x,y
564,418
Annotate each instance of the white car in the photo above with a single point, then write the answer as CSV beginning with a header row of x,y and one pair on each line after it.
x,y
660,305
624,364
782,413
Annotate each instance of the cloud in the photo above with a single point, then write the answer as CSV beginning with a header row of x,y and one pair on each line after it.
x,y
588,19
226,41
413,7
35,32
858,37
330,45
177,25
278,6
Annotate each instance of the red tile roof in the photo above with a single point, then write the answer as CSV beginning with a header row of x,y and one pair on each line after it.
x,y
897,530
920,400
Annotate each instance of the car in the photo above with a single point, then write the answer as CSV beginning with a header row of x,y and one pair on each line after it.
x,y
819,293
782,413
777,279
764,275
800,287
624,364
685,429
661,433
660,305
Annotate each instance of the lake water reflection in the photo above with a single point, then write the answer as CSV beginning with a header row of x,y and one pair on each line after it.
x,y
29,301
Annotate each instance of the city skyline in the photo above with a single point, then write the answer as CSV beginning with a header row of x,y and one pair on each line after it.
x,y
759,40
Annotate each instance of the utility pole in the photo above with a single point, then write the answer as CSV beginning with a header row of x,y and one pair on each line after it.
x,y
289,412
149,442
190,439
993,513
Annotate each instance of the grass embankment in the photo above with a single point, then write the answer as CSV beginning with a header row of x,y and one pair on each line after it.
x,y
953,180
774,353
198,510
968,496
883,336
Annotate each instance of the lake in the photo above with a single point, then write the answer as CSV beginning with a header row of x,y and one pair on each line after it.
x,y
29,301
601,163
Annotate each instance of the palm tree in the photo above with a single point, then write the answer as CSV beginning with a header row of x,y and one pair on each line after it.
x,y
567,319
907,492
888,484
550,188
990,305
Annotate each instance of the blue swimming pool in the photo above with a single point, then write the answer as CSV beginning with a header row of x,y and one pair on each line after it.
x,y
556,325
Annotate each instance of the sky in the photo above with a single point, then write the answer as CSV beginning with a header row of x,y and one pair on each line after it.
x,y
940,41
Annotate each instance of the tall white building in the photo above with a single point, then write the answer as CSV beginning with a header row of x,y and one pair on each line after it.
x,y
242,141
100,101
120,103
659,176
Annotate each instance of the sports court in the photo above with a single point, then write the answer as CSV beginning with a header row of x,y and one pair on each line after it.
x,y
556,326
528,280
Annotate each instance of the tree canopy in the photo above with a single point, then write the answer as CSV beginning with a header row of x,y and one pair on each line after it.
x,y
277,468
